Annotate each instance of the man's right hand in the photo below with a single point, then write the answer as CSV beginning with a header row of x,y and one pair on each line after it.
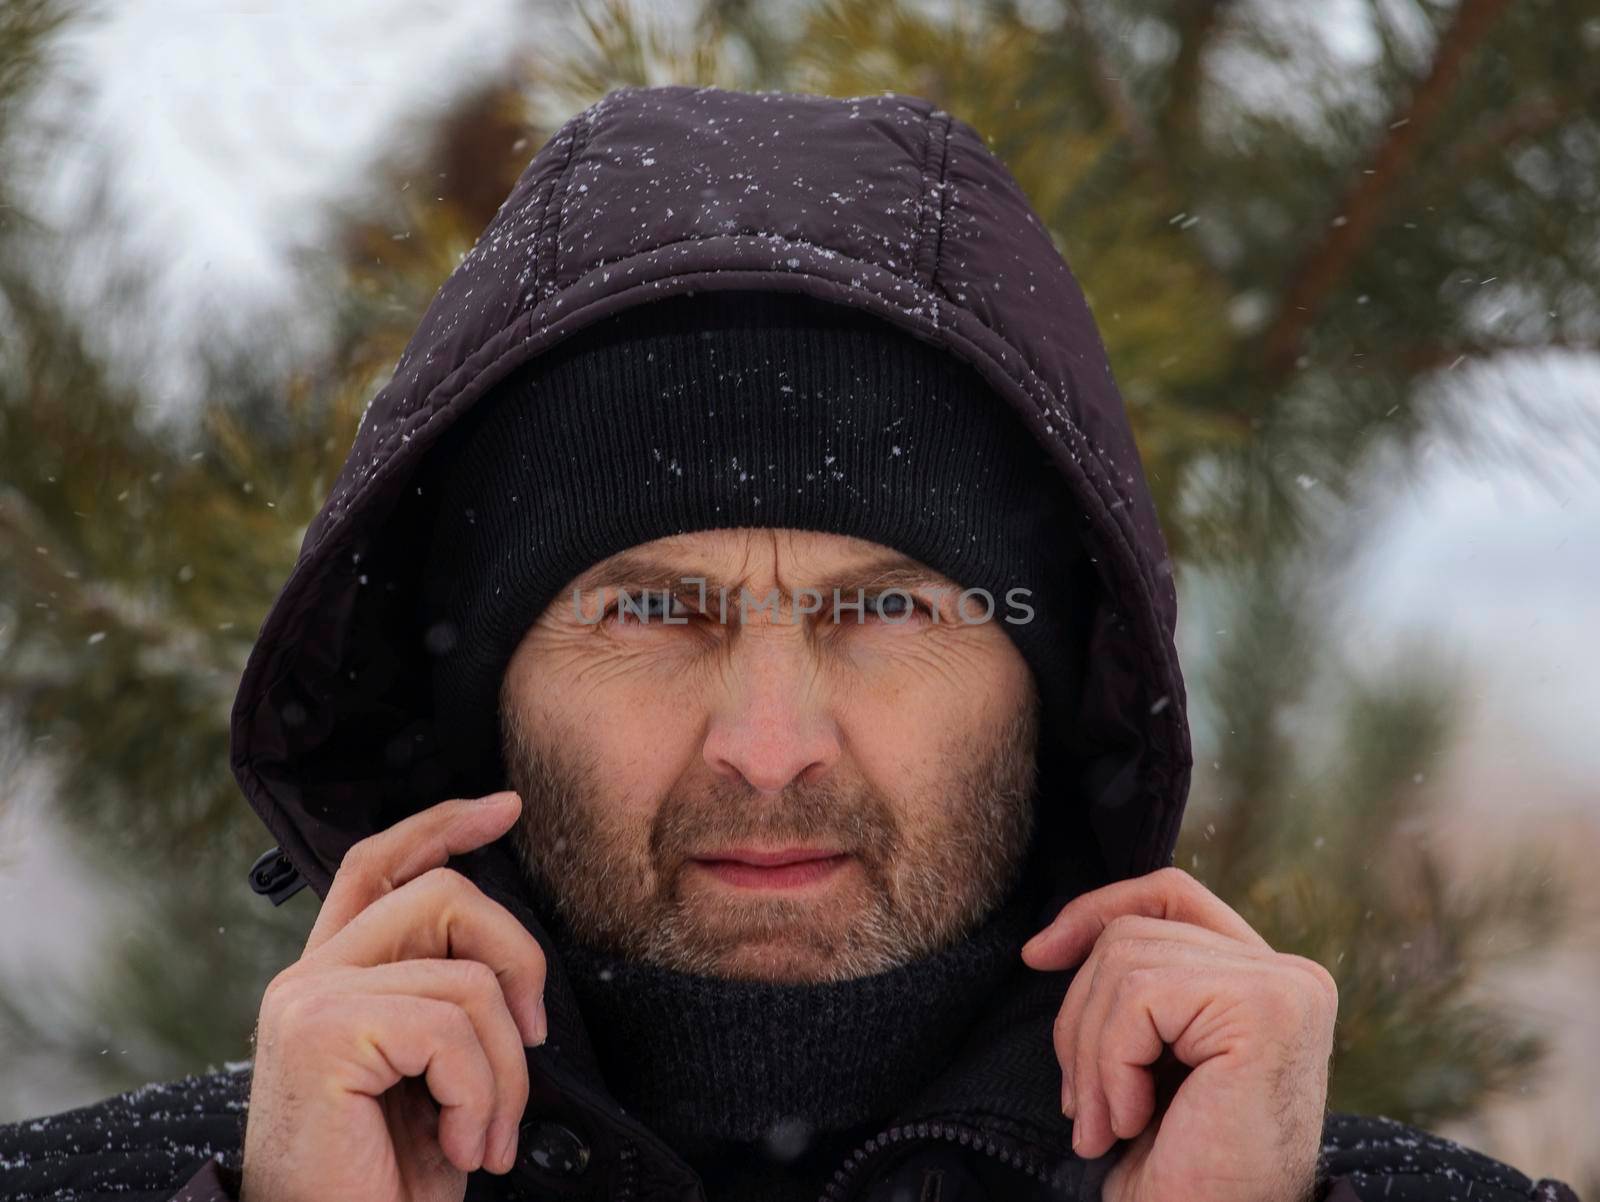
x,y
390,1058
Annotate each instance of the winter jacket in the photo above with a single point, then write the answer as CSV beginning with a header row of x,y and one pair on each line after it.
x,y
886,203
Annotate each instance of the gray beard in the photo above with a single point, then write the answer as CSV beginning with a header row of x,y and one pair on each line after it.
x,y
921,894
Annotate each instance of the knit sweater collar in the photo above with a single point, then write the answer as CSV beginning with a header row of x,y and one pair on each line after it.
x,y
702,1058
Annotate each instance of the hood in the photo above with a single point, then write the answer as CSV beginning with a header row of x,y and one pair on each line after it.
x,y
884,203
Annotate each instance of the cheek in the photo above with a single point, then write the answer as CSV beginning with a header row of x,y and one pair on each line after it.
x,y
630,728
906,712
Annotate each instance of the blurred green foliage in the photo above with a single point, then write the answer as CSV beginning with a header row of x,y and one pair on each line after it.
x,y
1279,286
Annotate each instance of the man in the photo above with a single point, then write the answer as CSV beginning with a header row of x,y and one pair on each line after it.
x,y
728,708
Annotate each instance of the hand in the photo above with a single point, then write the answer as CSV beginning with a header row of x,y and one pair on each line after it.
x,y
1172,964
390,1058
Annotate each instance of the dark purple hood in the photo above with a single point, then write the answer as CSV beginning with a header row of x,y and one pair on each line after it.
x,y
886,203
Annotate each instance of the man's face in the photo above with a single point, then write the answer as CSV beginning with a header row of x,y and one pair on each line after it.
x,y
769,794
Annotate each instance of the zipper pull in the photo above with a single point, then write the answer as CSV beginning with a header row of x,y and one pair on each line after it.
x,y
273,876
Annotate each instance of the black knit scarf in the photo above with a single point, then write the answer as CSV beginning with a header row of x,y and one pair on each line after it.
x,y
726,1069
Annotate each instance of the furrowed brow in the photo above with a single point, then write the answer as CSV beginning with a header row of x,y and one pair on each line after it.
x,y
643,569
884,574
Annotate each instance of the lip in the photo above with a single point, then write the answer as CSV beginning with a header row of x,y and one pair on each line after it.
x,y
770,859
790,868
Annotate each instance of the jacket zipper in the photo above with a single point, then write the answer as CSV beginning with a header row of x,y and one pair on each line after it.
x,y
627,1174
1005,1150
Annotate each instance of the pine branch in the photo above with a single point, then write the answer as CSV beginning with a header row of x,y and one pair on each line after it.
x,y
1179,119
1109,86
26,29
1522,123
90,602
1427,357
1366,200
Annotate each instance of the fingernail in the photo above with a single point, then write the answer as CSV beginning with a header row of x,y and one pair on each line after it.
x,y
541,1022
1066,1096
1077,1136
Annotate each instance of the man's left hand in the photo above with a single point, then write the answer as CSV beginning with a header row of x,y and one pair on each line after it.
x,y
1169,963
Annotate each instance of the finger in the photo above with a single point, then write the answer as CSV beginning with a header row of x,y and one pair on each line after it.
x,y
1202,1005
391,1038
1128,1045
1164,940
1130,943
1090,1122
1154,1007
1065,1040
474,987
1064,1031
1169,893
442,915
383,862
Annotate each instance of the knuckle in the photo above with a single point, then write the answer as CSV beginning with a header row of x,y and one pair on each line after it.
x,y
460,1023
1319,973
364,860
477,977
1178,878
1122,926
279,994
1131,986
1181,881
447,882
1121,941
454,1025
304,1010
1288,1004
1061,1029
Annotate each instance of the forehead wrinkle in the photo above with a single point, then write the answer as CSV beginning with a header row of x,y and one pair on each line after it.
x,y
878,570
885,572
642,567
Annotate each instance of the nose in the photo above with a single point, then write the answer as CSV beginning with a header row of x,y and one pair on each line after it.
x,y
773,723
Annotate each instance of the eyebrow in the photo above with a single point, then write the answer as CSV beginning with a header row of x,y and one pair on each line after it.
x,y
647,569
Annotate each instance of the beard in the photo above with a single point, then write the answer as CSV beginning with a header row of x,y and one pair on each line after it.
x,y
915,884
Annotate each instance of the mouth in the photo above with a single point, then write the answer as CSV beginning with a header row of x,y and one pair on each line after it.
x,y
786,868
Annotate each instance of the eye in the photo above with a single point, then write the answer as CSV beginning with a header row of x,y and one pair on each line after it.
x,y
650,607
897,608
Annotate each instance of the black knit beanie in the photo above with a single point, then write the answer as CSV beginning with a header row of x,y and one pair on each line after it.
x,y
729,409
